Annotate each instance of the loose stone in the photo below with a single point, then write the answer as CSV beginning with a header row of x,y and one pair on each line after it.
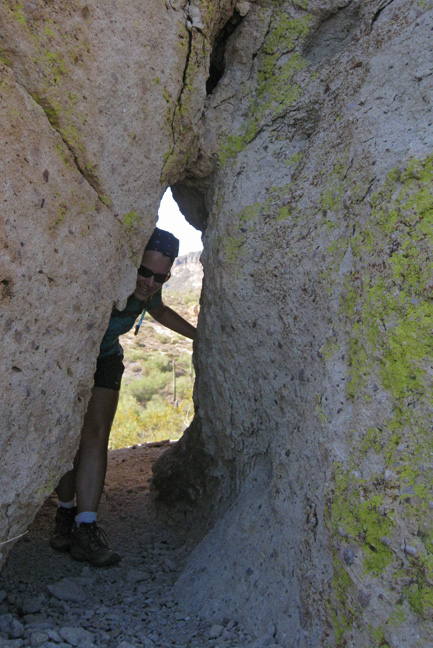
x,y
33,604
66,590
215,631
409,549
76,636
38,638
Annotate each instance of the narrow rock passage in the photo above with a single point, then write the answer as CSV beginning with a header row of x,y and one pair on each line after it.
x,y
48,600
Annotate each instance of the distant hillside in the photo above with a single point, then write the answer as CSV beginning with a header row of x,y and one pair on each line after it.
x,y
186,274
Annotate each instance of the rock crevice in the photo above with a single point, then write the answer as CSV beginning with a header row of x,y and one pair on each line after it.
x,y
308,167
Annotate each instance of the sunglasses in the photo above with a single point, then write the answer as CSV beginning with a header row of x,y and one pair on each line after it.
x,y
159,278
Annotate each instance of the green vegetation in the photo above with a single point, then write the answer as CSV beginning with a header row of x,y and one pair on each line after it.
x,y
387,306
156,396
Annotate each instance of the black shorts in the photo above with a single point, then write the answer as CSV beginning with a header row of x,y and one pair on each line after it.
x,y
109,372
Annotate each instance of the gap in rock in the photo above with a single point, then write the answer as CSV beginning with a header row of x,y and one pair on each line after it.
x,y
217,63
155,401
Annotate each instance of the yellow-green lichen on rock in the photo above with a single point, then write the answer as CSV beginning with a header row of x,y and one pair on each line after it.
x,y
276,88
387,512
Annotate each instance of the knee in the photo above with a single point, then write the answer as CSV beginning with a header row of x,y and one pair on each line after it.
x,y
95,436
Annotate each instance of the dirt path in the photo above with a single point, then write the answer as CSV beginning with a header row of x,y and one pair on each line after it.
x,y
48,600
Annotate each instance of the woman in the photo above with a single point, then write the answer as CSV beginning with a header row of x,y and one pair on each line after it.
x,y
76,529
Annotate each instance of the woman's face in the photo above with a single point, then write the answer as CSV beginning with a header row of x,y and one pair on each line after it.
x,y
156,262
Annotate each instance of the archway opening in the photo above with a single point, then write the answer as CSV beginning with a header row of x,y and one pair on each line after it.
x,y
155,402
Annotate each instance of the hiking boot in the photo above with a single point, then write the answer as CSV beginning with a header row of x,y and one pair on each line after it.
x,y
89,543
61,538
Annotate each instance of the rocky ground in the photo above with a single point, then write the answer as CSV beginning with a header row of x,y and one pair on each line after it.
x,y
48,600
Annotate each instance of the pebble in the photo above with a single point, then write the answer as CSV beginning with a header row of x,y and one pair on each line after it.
x,y
5,621
53,635
409,549
66,590
33,604
129,606
38,638
76,636
349,555
8,643
170,564
215,631
147,642
10,626
134,576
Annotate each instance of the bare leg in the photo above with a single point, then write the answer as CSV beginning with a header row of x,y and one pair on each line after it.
x,y
66,488
86,479
92,463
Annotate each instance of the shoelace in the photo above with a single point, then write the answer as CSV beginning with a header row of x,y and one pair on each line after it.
x,y
97,536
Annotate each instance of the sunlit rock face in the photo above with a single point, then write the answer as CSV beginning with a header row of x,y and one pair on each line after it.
x,y
314,388
299,137
99,105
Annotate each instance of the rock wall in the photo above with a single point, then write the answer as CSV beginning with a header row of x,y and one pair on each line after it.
x,y
98,102
298,135
314,354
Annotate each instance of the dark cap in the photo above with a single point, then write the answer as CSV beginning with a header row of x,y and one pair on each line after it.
x,y
165,242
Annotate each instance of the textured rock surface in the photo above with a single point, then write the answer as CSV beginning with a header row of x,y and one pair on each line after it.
x,y
308,164
314,355
91,97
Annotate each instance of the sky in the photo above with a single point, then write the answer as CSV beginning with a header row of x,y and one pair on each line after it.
x,y
170,218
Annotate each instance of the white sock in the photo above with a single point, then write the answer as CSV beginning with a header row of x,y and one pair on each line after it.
x,y
67,505
86,516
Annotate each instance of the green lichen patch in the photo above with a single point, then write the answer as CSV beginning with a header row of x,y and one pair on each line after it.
x,y
294,159
343,615
276,86
15,11
52,51
193,48
392,294
130,221
62,210
106,200
359,509
387,309
244,224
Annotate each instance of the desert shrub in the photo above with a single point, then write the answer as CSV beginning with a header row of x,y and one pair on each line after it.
x,y
163,339
144,388
165,420
155,362
159,420
128,423
184,387
183,360
136,354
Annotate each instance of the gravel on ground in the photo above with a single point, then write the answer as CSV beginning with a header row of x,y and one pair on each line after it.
x,y
48,600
